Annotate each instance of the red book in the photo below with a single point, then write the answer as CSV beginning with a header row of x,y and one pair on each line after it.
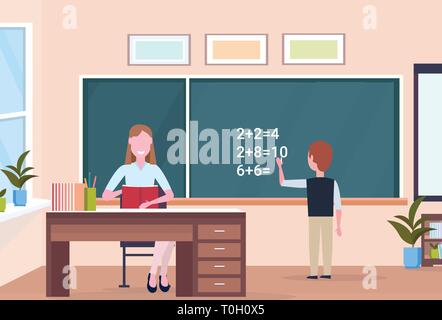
x,y
133,197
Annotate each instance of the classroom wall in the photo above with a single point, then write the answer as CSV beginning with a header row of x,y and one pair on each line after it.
x,y
276,235
22,246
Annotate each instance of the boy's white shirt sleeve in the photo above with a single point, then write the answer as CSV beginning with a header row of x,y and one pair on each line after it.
x,y
337,197
296,183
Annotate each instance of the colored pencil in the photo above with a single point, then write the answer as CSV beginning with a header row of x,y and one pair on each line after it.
x,y
85,183
95,180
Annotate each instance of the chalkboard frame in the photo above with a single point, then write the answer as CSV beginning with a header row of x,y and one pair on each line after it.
x,y
400,200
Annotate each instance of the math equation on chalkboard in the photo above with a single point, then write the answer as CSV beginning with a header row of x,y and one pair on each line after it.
x,y
257,151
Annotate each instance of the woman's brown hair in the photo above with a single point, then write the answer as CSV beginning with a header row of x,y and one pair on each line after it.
x,y
133,132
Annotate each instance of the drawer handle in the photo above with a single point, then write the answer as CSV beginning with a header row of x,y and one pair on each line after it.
x,y
220,284
219,249
219,266
219,230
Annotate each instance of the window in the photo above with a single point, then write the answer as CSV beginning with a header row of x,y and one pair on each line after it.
x,y
15,97
427,131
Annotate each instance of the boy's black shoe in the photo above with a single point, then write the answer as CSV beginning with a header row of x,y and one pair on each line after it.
x,y
326,276
312,277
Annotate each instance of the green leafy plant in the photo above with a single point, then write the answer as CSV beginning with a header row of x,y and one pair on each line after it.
x,y
410,232
2,193
17,176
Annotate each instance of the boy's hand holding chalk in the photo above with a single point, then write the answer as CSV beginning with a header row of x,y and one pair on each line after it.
x,y
279,162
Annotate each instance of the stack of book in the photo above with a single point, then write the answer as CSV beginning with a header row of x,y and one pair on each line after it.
x,y
437,232
67,197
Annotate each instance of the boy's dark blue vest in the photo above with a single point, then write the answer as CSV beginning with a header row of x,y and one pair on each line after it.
x,y
320,192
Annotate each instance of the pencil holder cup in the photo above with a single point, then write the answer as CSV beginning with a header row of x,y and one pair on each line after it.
x,y
2,204
90,199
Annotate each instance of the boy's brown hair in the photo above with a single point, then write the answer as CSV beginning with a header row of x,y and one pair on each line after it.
x,y
322,154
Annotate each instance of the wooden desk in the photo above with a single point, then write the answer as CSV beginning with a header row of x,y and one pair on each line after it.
x,y
210,244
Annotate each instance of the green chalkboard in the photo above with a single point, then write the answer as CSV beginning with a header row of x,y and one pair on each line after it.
x,y
112,106
358,117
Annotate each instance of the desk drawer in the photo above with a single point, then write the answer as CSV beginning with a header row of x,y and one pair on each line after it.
x,y
219,232
219,250
217,285
219,267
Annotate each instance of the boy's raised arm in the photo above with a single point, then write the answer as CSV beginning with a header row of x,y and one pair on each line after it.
x,y
296,183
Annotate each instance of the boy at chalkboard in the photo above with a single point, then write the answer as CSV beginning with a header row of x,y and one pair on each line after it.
x,y
322,195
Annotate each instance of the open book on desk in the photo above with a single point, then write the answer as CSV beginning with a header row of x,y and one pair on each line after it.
x,y
133,197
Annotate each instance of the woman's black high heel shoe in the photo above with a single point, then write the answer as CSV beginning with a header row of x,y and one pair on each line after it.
x,y
164,289
149,288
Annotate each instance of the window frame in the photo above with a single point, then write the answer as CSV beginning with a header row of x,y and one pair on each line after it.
x,y
28,92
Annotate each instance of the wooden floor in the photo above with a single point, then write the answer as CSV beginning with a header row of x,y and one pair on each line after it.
x,y
262,283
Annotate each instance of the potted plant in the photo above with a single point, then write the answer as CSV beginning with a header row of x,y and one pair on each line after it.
x,y
434,252
2,200
410,232
18,177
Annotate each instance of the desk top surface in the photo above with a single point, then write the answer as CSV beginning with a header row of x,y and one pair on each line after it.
x,y
168,210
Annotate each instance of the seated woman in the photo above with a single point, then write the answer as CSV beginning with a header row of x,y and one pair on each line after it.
x,y
140,170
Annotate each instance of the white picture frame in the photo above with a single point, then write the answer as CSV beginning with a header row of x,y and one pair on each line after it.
x,y
251,49
314,48
158,49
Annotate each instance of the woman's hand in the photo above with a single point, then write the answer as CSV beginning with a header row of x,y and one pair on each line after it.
x,y
108,194
165,198
145,205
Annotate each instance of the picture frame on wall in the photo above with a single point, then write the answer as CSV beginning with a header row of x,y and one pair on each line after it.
x,y
313,48
158,49
236,49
